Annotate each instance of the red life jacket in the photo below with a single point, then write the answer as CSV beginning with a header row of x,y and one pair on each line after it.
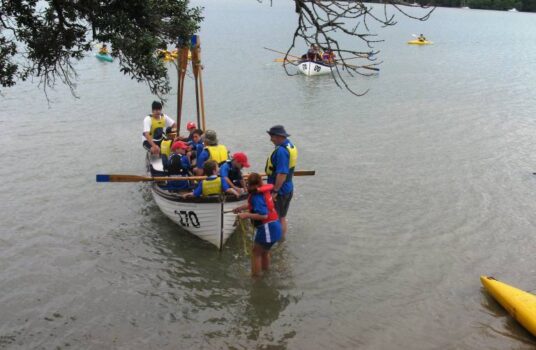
x,y
272,213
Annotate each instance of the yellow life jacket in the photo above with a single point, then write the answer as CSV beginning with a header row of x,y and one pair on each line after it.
x,y
211,187
293,158
165,147
157,124
218,153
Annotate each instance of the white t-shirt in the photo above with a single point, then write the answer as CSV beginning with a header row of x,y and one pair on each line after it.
x,y
147,124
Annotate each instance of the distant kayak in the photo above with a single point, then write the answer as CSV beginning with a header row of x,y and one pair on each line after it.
x,y
418,42
104,57
520,305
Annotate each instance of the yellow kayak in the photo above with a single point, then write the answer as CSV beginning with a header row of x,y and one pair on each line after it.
x,y
418,42
520,305
168,56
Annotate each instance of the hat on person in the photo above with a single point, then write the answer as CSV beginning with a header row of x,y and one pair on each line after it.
x,y
179,144
278,130
191,125
211,138
241,158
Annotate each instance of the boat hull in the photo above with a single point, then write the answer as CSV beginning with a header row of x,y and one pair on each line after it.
x,y
106,58
418,42
209,218
313,68
520,305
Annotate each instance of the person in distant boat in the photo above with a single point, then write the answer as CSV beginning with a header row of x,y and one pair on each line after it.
x,y
280,167
262,212
231,171
212,151
103,50
154,127
313,54
212,185
195,145
421,38
177,165
328,56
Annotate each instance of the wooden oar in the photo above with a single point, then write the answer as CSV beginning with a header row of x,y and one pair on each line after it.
x,y
196,67
139,178
182,65
285,60
283,53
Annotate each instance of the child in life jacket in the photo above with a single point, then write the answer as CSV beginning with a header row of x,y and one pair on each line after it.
x,y
177,165
261,211
213,184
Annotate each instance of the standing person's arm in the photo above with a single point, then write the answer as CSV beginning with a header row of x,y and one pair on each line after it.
x,y
281,169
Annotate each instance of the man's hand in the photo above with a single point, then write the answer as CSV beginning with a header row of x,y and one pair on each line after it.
x,y
243,215
155,150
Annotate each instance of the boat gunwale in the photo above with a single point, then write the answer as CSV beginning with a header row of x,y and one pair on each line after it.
x,y
177,196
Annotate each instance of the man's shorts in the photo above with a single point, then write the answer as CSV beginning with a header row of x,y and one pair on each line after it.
x,y
282,203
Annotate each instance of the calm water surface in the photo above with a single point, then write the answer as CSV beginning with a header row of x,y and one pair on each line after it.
x,y
422,185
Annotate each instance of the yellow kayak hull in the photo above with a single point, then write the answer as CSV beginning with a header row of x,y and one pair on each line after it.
x,y
520,305
168,56
418,42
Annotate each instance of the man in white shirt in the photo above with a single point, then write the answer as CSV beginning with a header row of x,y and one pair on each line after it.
x,y
154,128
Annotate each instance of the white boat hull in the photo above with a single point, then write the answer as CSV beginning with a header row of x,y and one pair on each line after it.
x,y
210,219
313,68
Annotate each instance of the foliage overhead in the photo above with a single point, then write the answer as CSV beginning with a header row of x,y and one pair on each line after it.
x,y
43,39
327,22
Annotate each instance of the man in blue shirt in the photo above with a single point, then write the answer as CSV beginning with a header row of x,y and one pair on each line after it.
x,y
280,169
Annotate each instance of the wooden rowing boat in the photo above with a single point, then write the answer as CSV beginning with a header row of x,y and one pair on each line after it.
x,y
209,218
314,68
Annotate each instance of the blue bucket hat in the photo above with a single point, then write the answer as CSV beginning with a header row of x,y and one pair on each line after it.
x,y
278,130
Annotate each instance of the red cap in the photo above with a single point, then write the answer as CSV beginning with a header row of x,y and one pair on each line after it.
x,y
241,158
179,144
191,125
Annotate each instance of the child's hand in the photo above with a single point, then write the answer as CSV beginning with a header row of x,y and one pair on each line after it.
x,y
236,210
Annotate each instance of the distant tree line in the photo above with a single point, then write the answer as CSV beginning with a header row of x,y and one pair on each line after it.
x,y
520,5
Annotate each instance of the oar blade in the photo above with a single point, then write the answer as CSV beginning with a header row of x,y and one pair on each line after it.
x,y
121,178
103,178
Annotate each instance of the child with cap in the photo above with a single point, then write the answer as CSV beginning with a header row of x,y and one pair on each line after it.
x,y
178,165
231,171
212,185
261,210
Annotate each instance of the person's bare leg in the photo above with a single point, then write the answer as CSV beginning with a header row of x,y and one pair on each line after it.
x,y
283,221
256,261
265,260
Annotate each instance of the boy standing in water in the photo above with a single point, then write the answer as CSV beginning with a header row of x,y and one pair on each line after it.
x,y
264,216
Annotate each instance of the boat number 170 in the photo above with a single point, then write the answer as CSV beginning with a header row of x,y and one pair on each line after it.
x,y
188,218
